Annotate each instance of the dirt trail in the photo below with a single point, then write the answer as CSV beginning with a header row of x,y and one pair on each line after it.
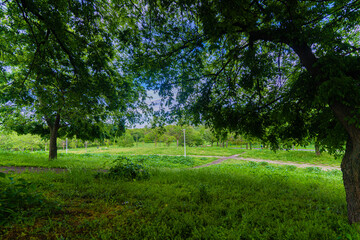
x,y
217,161
6,169
300,165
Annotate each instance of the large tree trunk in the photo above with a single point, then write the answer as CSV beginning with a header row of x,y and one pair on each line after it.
x,y
350,165
54,128
317,149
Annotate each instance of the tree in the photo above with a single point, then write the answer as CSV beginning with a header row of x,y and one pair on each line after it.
x,y
275,70
60,71
175,131
126,140
137,134
209,136
167,139
192,137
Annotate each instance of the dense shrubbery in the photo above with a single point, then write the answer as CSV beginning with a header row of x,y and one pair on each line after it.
x,y
129,170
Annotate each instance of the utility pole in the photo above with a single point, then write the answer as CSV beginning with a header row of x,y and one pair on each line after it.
x,y
184,144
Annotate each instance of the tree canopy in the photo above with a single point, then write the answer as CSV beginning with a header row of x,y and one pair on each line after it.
x,y
62,69
276,70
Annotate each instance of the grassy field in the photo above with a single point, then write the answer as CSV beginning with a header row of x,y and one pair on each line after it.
x,y
289,156
232,200
95,160
149,148
226,201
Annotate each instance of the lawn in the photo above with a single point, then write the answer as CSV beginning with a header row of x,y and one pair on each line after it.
x,y
228,201
95,160
149,148
233,200
266,154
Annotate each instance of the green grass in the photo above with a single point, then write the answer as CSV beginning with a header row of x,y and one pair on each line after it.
x,y
289,156
293,156
149,148
94,160
227,201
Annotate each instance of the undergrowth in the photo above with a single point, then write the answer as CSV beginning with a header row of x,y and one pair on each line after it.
x,y
227,201
20,200
126,169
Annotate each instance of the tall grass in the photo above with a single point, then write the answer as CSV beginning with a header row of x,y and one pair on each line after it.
x,y
94,160
227,201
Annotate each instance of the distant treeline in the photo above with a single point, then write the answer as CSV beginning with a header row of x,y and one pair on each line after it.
x,y
170,135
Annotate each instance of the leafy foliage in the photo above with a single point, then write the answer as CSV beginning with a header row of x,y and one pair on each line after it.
x,y
61,69
126,140
272,70
126,169
19,199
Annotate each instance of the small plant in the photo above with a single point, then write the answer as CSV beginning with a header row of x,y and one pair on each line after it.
x,y
18,198
129,170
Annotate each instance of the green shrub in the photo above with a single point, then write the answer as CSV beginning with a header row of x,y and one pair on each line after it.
x,y
126,169
18,199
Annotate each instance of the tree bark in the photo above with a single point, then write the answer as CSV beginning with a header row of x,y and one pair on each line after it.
x,y
317,149
350,165
54,128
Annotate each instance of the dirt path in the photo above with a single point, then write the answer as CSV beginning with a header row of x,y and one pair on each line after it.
x,y
217,161
300,165
6,169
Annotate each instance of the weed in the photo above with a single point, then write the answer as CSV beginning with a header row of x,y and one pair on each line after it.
x,y
19,199
126,169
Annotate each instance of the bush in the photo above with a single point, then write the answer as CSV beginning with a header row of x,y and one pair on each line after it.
x,y
19,199
129,170
126,140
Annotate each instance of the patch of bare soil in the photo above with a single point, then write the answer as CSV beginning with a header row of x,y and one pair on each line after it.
x,y
5,169
300,165
217,161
